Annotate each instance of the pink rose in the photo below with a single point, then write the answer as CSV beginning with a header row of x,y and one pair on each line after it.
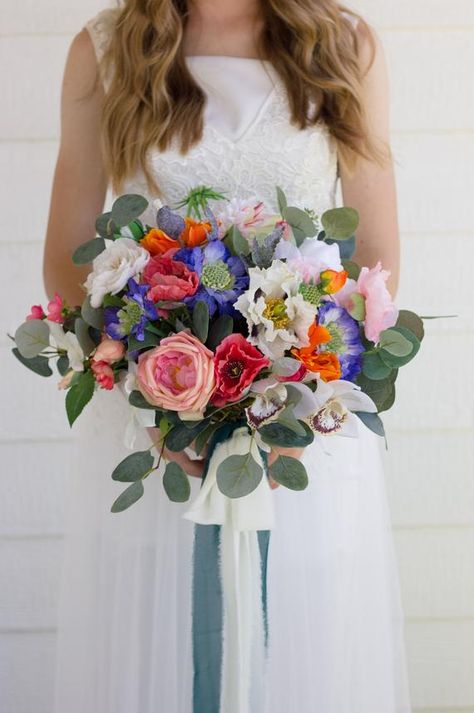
x,y
109,350
178,374
103,374
169,279
380,311
55,309
37,312
237,363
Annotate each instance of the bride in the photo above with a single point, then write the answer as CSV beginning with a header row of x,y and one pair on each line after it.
x,y
160,96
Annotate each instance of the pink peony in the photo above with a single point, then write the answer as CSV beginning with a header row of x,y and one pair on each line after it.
x,y
177,375
237,363
169,280
55,309
103,374
109,350
37,312
380,311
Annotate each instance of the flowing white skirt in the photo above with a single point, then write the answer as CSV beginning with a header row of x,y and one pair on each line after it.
x,y
336,625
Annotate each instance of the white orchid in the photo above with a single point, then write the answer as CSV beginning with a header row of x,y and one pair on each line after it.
x,y
112,269
139,418
277,315
69,342
335,402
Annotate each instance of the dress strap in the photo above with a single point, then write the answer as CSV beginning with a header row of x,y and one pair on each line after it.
x,y
101,29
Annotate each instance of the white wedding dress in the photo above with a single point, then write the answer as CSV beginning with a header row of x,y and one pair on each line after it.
x,y
336,625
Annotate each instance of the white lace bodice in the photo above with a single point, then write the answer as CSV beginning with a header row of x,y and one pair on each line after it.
x,y
249,145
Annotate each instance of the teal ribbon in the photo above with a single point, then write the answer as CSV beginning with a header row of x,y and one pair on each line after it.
x,y
207,604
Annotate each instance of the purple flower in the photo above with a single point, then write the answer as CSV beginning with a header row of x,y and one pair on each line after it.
x,y
133,317
345,338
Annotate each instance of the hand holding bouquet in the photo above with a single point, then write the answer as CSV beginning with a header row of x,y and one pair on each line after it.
x,y
212,320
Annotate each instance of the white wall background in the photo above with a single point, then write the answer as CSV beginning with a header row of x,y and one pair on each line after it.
x,y
430,46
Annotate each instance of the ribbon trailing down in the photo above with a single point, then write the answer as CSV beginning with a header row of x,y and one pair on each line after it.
x,y
229,585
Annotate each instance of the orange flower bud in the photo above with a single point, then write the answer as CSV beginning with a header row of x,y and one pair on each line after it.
x,y
158,243
333,281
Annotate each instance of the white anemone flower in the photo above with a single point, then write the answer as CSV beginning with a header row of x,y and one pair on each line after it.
x,y
112,269
277,314
69,342
336,400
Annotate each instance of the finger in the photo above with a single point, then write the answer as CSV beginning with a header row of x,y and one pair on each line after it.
x,y
273,484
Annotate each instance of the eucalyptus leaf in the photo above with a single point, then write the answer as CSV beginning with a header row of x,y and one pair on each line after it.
x,y
287,418
282,202
277,434
129,497
32,337
412,322
352,269
290,473
92,315
372,421
219,330
38,364
150,340
374,368
105,225
81,329
180,436
393,361
176,483
127,208
388,402
137,399
134,467
395,343
300,220
239,244
239,475
381,391
201,320
204,437
298,235
62,365
340,223
87,252
79,395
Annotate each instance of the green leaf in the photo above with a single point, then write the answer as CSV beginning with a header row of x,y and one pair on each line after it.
x,y
81,330
300,220
287,418
394,361
239,243
357,308
289,472
352,269
381,391
201,320
150,340
298,235
79,395
395,343
32,337
372,421
282,202
374,368
412,322
340,223
39,364
62,365
129,497
176,483
239,475
181,436
112,301
92,315
220,329
204,437
276,434
88,251
389,400
134,467
105,226
127,208
137,399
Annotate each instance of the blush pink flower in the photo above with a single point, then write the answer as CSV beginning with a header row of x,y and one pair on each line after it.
x,y
103,374
109,350
177,375
55,309
236,363
37,312
169,280
380,311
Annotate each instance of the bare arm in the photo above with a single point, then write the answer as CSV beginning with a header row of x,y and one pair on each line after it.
x,y
80,185
371,188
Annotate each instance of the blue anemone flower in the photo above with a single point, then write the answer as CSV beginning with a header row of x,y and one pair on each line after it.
x,y
345,338
132,318
222,276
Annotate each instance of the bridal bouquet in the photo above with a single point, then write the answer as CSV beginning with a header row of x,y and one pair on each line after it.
x,y
212,320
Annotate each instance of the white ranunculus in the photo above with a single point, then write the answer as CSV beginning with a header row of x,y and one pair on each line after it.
x,y
112,269
69,342
271,290
335,402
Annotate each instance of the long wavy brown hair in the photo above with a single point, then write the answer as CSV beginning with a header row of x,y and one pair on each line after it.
x,y
152,97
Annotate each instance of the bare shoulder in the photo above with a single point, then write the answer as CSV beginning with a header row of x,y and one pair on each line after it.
x,y
370,47
82,66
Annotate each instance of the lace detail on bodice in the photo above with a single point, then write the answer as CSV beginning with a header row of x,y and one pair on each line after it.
x,y
270,152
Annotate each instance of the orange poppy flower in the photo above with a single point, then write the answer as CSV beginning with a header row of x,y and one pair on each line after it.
x,y
195,232
157,242
325,363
